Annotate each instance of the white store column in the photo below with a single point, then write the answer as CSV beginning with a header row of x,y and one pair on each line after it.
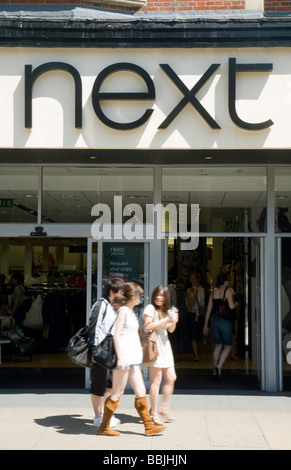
x,y
270,332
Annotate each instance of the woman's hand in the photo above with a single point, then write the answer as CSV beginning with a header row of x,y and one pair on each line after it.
x,y
173,320
205,330
171,323
120,364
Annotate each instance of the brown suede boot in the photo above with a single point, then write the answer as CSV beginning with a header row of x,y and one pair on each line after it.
x,y
141,406
109,408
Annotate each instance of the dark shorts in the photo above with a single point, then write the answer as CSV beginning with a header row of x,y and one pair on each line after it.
x,y
195,327
101,379
222,331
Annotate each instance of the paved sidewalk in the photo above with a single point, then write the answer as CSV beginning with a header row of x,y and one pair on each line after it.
x,y
55,420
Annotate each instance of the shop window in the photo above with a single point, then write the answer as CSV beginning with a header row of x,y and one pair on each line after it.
x,y
18,194
283,199
229,199
283,226
70,193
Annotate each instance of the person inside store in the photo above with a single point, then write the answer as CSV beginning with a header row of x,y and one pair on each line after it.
x,y
101,378
221,328
3,294
285,226
129,357
18,298
157,318
195,301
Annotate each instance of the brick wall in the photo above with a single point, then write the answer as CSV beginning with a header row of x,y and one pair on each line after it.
x,y
152,5
168,5
165,5
277,5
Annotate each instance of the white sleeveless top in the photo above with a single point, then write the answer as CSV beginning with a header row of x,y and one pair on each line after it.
x,y
165,358
130,345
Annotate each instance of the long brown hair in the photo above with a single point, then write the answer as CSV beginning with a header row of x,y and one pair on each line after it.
x,y
167,297
129,290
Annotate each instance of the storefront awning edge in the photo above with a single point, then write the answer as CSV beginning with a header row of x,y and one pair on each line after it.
x,y
82,27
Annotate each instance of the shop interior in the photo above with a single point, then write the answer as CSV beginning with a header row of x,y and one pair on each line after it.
x,y
56,287
57,284
55,269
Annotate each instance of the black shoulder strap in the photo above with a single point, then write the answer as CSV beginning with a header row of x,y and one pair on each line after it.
x,y
94,316
224,298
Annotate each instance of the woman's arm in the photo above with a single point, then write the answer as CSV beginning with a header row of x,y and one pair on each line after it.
x,y
151,324
121,316
11,310
207,315
172,323
229,295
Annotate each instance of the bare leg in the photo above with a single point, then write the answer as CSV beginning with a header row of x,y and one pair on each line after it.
x,y
137,382
195,349
119,381
168,387
167,391
223,356
156,379
97,403
216,354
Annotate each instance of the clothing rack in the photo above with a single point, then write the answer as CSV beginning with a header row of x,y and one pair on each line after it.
x,y
63,311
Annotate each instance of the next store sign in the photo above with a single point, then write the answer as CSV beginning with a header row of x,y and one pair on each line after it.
x,y
188,95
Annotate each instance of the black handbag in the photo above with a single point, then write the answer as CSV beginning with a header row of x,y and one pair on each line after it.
x,y
78,348
104,353
225,311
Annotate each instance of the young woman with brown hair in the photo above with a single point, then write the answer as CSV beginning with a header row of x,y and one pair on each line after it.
x,y
129,357
156,318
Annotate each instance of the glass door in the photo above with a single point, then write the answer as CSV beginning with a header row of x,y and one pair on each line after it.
x,y
284,289
258,282
133,261
128,261
240,257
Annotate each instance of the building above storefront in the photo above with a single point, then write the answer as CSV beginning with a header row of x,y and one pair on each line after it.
x,y
71,26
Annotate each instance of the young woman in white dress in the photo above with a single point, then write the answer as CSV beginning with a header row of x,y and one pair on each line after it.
x,y
156,318
129,357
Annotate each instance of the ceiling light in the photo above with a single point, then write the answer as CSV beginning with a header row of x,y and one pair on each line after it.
x,y
172,198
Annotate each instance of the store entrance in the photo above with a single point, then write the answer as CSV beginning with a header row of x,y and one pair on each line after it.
x,y
54,273
240,259
64,276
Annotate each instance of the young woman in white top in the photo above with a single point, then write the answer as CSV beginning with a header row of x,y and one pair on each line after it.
x,y
156,318
129,357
